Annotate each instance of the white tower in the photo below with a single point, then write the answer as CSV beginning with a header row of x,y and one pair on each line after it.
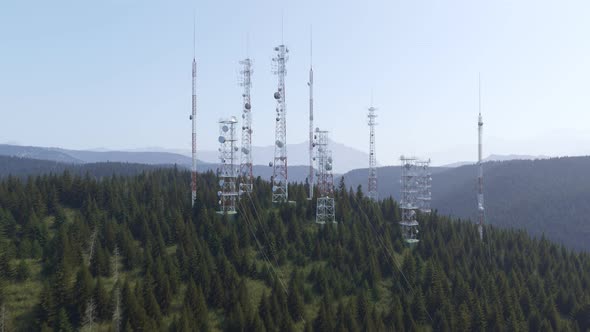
x,y
246,175
372,187
325,202
280,190
480,205
409,199
310,84
227,166
193,118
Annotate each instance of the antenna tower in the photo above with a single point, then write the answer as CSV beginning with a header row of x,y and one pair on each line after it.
x,y
480,205
280,190
424,182
247,177
227,169
310,84
325,203
409,199
193,118
372,188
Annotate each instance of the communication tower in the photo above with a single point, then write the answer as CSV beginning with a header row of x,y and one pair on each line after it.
x,y
227,168
280,190
246,175
310,84
193,118
424,183
325,202
480,205
372,188
409,199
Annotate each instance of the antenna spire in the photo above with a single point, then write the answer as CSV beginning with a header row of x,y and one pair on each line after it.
x,y
194,34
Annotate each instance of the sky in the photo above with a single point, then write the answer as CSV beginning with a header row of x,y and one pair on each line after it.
x,y
116,74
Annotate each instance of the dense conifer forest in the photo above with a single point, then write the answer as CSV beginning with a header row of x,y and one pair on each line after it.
x,y
128,253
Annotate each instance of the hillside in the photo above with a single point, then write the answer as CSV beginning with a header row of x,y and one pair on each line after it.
x,y
129,252
546,196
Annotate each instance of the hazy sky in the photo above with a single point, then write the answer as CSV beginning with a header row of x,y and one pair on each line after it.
x,y
117,74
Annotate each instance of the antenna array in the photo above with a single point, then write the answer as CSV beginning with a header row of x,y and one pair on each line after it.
x,y
246,175
409,199
325,202
280,190
227,170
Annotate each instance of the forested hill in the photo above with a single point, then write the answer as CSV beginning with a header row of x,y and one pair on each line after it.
x,y
544,196
130,253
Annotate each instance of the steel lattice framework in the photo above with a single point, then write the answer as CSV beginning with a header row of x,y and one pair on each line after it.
x,y
325,202
246,175
372,186
280,190
409,198
424,185
227,168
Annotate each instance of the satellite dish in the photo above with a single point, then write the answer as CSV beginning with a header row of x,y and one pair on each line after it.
x,y
243,116
274,188
219,193
245,151
221,140
329,167
277,95
219,202
317,130
249,131
247,106
279,143
330,160
278,119
270,164
235,148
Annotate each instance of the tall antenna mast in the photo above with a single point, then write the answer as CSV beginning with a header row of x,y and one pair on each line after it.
x,y
372,187
480,205
247,177
280,190
311,145
193,118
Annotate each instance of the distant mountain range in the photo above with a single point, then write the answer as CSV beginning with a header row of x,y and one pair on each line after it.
x,y
78,157
345,157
